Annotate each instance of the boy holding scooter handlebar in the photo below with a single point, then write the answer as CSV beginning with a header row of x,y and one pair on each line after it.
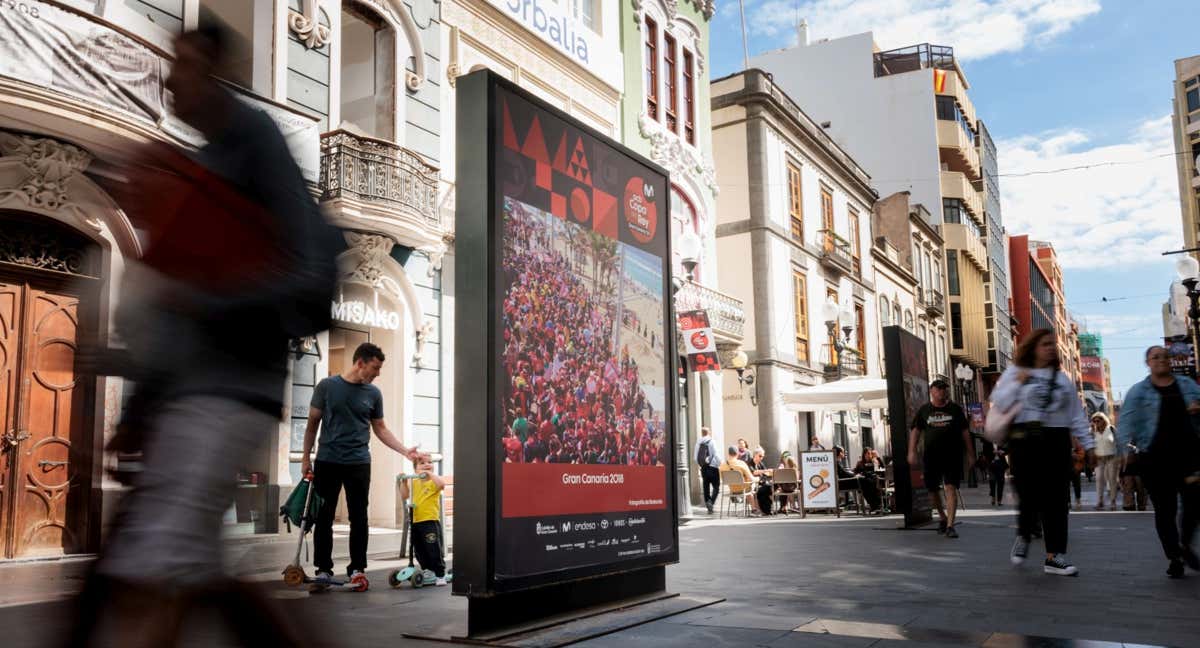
x,y
427,517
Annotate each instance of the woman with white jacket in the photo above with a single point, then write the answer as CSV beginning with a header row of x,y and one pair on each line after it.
x,y
1107,460
1047,415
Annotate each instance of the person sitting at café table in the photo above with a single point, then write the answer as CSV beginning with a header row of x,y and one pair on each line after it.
x,y
759,469
849,481
733,463
869,463
786,461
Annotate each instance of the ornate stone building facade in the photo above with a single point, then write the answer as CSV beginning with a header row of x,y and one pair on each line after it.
x,y
354,86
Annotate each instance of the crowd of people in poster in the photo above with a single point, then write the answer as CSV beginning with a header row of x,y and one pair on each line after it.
x,y
578,391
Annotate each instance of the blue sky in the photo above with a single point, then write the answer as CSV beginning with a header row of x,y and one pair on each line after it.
x,y
1060,83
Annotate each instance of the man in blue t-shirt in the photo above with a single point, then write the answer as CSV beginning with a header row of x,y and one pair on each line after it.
x,y
346,407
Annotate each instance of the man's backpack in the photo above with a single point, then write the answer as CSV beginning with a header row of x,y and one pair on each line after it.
x,y
703,454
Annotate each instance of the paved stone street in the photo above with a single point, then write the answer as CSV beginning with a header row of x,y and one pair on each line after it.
x,y
788,582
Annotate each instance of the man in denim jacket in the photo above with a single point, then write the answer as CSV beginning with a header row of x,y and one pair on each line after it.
x,y
1156,434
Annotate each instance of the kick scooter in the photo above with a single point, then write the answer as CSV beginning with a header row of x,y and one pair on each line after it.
x,y
416,577
294,575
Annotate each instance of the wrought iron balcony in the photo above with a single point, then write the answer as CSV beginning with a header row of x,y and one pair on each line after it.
x,y
835,252
386,178
839,364
725,313
932,301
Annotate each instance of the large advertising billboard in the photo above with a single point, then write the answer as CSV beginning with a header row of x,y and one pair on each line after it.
x,y
1091,371
581,351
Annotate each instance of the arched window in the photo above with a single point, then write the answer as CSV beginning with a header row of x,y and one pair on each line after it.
x,y
897,319
683,219
368,87
885,311
908,320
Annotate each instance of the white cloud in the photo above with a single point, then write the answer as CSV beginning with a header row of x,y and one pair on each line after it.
x,y
1112,215
976,29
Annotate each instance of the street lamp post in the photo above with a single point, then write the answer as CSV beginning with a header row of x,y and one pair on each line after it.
x,y
832,314
1188,270
965,374
689,248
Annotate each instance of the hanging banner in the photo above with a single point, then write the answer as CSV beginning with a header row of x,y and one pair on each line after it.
x,y
1182,354
698,341
818,479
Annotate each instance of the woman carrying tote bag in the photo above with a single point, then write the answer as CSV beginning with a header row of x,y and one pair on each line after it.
x,y
1046,413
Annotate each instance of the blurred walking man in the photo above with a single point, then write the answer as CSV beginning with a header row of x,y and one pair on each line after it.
x,y
238,261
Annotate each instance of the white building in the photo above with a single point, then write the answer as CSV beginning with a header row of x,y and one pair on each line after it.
x,y
794,230
906,116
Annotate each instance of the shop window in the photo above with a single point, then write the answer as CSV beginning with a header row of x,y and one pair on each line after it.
x,y
952,271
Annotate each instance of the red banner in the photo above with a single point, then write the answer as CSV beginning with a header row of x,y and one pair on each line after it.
x,y
531,489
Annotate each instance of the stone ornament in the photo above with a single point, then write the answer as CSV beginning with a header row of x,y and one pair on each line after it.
x,y
51,165
307,25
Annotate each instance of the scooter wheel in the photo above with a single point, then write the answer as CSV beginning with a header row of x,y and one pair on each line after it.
x,y
417,580
449,576
359,583
394,579
293,575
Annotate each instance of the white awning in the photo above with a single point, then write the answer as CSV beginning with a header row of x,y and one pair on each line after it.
x,y
862,392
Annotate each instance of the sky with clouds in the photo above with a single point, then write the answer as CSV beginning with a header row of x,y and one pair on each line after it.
x,y
1061,84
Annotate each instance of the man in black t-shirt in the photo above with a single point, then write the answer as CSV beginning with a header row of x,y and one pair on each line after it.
x,y
947,438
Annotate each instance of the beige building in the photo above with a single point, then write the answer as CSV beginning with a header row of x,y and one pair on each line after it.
x,y
907,117
908,254
1186,122
793,234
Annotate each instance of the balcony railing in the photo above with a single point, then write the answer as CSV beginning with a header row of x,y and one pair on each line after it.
x,y
725,313
847,362
914,57
835,251
378,171
932,301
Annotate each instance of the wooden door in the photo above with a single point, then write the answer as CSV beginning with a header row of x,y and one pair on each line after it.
x,y
46,481
11,301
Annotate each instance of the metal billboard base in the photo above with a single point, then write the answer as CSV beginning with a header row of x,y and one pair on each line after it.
x,y
559,615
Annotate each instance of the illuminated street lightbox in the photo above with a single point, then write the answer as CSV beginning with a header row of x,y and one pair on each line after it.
x,y
564,407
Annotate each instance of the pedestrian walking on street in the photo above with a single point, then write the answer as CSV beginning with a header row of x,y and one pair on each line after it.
x,y
1158,419
1040,445
238,260
1078,461
997,473
1107,461
947,438
345,409
709,461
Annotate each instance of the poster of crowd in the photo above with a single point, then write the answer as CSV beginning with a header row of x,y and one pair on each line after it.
x,y
583,444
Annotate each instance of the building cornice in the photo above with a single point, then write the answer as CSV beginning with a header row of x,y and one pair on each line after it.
x,y
758,89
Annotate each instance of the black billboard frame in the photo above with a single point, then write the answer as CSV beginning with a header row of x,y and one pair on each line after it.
x,y
916,510
496,603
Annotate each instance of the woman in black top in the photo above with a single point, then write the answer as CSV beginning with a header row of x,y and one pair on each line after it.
x,y
763,492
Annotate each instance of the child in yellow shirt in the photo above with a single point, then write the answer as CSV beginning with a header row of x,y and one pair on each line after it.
x,y
427,517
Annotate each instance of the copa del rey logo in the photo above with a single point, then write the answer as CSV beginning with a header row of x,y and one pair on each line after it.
x,y
552,21
641,211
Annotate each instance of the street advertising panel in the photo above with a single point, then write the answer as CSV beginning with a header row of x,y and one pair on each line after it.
x,y
818,481
908,390
975,417
1183,355
698,341
580,347
1095,399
